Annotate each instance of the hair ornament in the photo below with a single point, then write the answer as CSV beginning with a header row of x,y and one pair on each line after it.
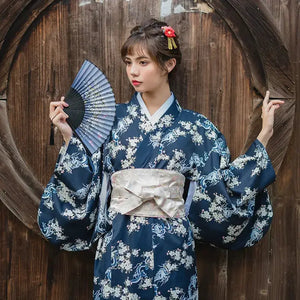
x,y
170,34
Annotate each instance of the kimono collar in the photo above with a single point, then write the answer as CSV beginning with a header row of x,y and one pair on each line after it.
x,y
160,112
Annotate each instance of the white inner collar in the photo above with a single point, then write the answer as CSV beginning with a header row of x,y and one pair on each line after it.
x,y
160,112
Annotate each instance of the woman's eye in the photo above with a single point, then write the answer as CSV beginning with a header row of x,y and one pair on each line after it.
x,y
142,62
127,62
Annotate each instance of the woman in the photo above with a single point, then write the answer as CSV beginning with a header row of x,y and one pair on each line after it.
x,y
162,179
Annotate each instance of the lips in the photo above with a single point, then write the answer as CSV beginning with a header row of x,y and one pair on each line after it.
x,y
135,82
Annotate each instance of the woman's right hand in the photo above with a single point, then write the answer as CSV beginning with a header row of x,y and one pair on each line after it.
x,y
59,118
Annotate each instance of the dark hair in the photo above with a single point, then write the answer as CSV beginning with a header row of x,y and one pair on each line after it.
x,y
149,35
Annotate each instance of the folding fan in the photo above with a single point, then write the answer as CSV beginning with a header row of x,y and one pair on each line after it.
x,y
91,107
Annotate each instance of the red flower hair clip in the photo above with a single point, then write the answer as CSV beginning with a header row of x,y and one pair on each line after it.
x,y
170,34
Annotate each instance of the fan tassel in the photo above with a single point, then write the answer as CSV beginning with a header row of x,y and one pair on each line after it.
x,y
52,134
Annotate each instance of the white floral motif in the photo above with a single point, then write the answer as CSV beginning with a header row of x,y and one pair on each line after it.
x,y
69,196
186,125
166,121
52,228
132,110
178,227
135,223
121,257
77,245
217,211
181,258
155,139
177,162
232,182
241,161
78,213
114,148
159,297
233,231
130,152
250,194
47,196
162,156
69,162
172,136
118,291
261,157
197,138
146,125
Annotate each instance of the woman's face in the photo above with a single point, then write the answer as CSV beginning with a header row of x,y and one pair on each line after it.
x,y
145,75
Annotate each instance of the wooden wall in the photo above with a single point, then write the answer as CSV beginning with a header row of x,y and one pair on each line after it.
x,y
218,78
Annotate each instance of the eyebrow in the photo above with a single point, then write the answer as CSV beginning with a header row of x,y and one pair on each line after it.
x,y
139,57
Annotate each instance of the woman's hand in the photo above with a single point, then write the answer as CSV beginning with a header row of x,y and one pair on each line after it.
x,y
268,111
59,118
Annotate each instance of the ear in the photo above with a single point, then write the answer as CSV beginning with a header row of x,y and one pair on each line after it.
x,y
170,64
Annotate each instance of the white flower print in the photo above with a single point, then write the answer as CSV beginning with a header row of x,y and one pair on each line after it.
x,y
145,124
155,139
77,245
166,121
217,211
115,147
181,258
132,110
233,231
52,228
172,136
262,159
69,162
186,125
178,161
130,152
136,223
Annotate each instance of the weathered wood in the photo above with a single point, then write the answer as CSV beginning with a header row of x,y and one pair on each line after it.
x,y
252,24
14,32
18,186
212,267
9,12
31,268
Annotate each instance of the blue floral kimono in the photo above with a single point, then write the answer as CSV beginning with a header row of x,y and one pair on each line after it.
x,y
226,205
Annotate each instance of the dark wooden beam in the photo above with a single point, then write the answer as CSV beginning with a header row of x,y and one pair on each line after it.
x,y
19,189
20,23
268,59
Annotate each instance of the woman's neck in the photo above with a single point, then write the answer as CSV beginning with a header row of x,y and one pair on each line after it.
x,y
154,100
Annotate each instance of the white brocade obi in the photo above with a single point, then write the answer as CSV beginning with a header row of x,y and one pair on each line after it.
x,y
148,193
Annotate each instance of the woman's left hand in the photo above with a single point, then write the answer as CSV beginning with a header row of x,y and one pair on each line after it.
x,y
268,111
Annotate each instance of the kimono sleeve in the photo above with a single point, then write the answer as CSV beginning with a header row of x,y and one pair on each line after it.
x,y
231,207
69,207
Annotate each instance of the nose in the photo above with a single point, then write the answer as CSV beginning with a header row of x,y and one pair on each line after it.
x,y
134,70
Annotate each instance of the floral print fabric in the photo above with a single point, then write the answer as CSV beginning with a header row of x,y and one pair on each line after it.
x,y
153,258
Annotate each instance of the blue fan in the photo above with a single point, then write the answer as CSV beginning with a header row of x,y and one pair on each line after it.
x,y
91,107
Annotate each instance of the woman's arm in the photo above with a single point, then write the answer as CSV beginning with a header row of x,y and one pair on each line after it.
x,y
268,111
69,206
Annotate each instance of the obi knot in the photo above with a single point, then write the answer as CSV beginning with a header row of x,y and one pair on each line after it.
x,y
148,192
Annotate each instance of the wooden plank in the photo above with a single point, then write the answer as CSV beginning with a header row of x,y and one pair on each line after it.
x,y
212,268
18,187
14,35
9,12
31,268
265,36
